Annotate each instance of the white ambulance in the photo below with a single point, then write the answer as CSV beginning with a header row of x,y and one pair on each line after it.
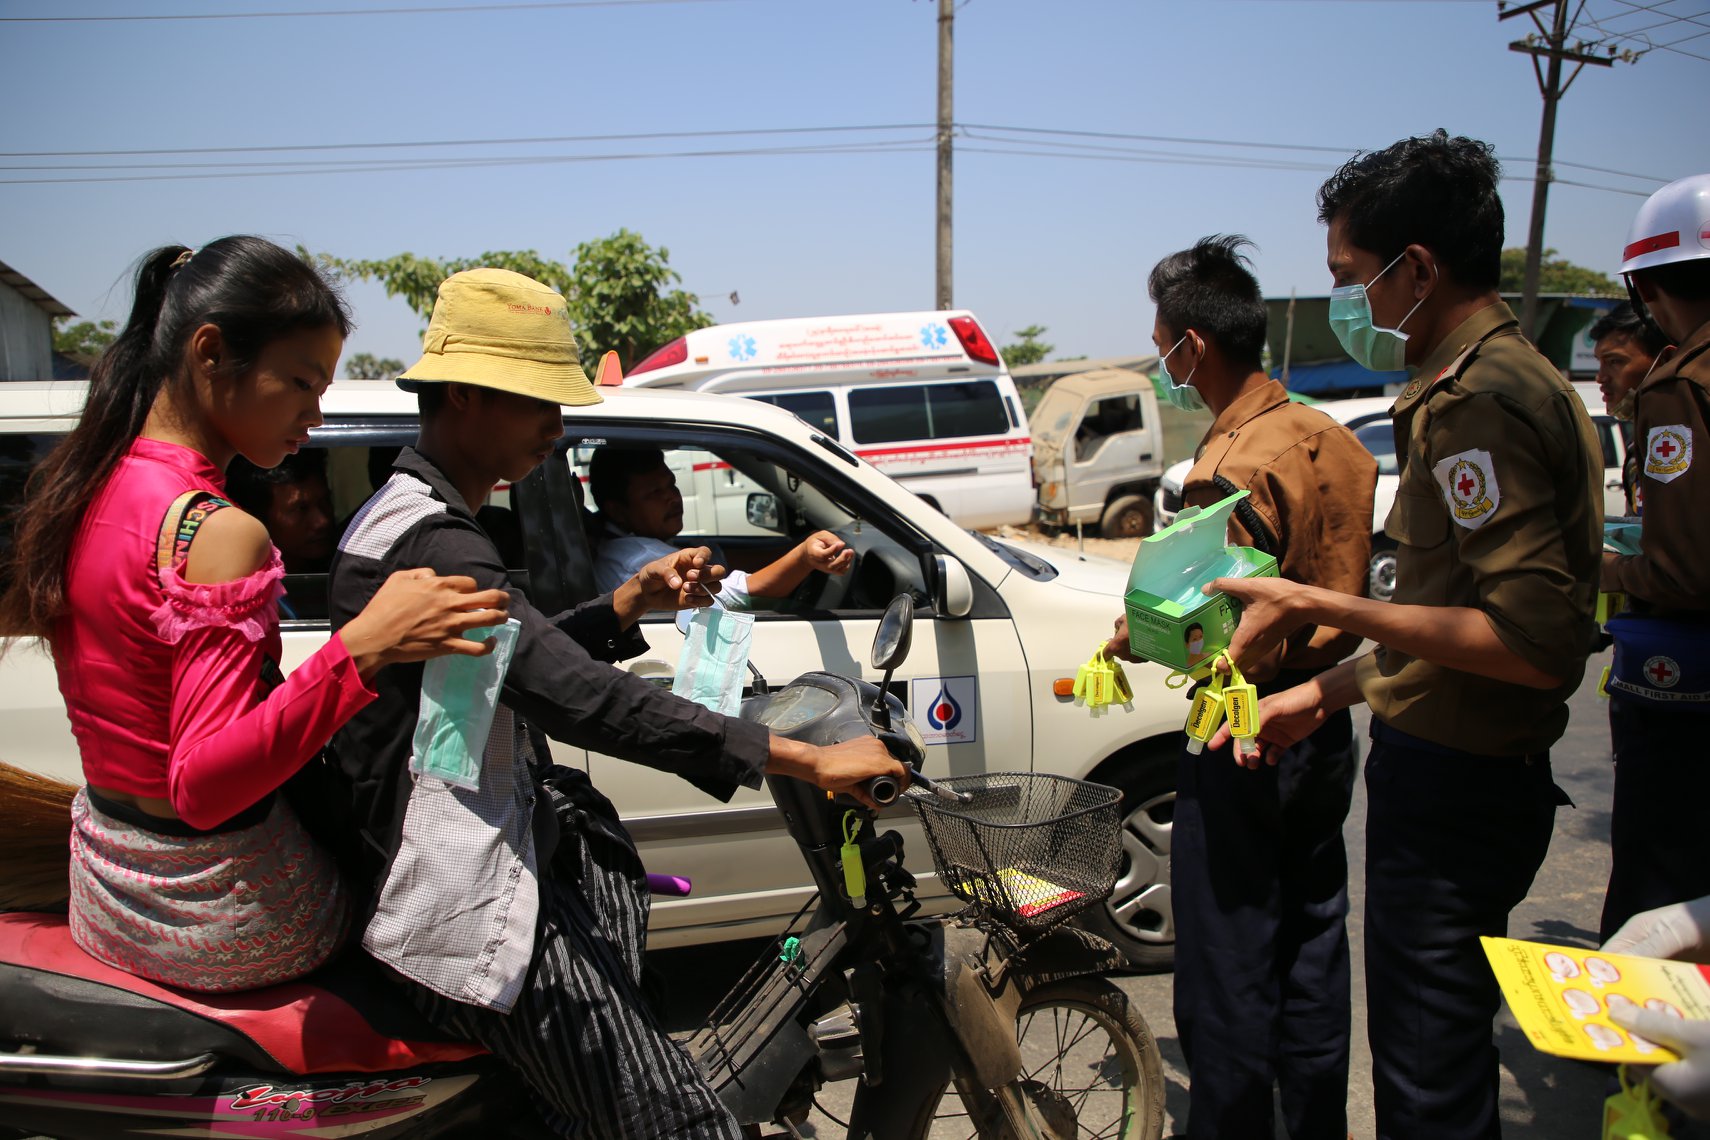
x,y
924,397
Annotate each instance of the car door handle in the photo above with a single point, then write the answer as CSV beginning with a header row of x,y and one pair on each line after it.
x,y
1145,456
1612,485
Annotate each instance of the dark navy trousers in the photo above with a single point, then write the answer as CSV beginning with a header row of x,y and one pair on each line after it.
x,y
1259,885
1659,845
1453,841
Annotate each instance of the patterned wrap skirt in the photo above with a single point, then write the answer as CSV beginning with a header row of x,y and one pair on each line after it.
x,y
253,904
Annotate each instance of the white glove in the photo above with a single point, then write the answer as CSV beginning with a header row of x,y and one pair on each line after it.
x,y
1679,930
1686,1082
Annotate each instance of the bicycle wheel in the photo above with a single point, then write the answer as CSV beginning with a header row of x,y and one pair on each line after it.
x,y
1090,1068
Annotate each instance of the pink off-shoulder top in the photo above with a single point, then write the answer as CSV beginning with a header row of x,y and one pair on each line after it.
x,y
162,678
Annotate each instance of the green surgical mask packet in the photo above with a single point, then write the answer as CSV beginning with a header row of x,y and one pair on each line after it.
x,y
459,697
1170,618
714,657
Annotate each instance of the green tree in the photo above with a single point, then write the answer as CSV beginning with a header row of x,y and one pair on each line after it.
x,y
1029,350
619,289
621,297
366,366
83,339
1555,275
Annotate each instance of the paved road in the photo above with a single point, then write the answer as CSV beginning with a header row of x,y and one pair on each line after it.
x,y
1542,1097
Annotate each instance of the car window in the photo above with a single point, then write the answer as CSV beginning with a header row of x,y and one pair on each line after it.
x,y
1378,436
888,413
19,455
354,471
1606,436
1105,417
817,409
753,509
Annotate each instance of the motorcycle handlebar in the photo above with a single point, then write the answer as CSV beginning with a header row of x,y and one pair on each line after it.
x,y
884,789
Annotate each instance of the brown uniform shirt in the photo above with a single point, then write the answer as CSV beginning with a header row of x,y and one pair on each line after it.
x,y
1500,508
1310,503
1671,574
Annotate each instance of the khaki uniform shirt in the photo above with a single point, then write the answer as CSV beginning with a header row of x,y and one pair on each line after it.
x,y
1310,485
1671,573
1500,508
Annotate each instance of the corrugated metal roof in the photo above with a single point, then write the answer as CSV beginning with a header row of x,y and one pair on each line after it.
x,y
43,299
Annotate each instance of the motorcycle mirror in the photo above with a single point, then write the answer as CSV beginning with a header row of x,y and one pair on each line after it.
x,y
896,629
890,647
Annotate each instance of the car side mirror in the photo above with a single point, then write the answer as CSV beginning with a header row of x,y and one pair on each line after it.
x,y
952,589
763,510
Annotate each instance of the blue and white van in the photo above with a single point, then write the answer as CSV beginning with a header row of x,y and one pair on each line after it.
x,y
924,397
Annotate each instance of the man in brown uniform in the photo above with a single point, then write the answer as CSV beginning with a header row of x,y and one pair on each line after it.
x,y
1498,517
1258,872
1659,700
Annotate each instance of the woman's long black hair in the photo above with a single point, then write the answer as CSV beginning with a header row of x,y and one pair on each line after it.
x,y
253,291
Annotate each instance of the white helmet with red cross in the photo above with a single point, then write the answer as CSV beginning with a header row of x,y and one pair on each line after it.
x,y
1673,225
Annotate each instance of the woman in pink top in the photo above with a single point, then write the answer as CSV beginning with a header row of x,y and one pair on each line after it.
x,y
158,599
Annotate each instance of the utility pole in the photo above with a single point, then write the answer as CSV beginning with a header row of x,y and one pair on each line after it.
x,y
946,123
1547,44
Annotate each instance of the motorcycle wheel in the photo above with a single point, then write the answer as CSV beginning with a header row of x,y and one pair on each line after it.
x,y
1090,1068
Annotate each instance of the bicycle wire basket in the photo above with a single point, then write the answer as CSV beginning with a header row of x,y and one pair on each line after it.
x,y
1029,850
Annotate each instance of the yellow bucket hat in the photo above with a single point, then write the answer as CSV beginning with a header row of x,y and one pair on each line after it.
x,y
499,329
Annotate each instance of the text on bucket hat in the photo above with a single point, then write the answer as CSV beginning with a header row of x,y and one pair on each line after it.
x,y
499,329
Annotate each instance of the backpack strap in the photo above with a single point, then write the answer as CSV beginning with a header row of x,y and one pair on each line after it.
x,y
183,519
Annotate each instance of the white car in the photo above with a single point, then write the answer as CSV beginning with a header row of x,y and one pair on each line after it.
x,y
1000,629
1369,420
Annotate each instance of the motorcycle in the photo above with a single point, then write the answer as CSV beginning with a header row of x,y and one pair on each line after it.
x,y
996,1021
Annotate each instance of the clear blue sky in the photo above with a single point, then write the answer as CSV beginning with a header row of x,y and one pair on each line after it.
x,y
1040,238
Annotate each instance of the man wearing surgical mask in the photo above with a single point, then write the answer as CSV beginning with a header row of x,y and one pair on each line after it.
x,y
1499,520
1258,872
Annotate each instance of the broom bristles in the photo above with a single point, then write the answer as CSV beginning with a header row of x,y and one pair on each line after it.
x,y
35,840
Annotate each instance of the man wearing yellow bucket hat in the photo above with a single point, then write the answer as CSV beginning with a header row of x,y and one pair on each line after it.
x,y
514,911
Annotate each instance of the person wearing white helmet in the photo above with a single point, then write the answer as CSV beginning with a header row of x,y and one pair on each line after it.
x,y
1659,684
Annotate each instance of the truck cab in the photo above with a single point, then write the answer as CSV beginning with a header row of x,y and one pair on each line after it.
x,y
1098,452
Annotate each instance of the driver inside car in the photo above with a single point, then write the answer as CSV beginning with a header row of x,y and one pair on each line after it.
x,y
642,511
514,913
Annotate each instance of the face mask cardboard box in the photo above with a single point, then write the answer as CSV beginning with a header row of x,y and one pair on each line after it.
x,y
1170,620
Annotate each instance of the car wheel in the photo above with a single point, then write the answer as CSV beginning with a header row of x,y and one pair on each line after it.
x,y
1138,916
1128,516
1380,577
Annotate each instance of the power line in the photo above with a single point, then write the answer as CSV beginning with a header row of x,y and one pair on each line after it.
x,y
382,166
411,11
1640,34
1042,141
427,143
1161,138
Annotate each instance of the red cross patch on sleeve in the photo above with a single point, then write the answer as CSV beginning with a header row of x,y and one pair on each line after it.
x,y
1668,452
1469,487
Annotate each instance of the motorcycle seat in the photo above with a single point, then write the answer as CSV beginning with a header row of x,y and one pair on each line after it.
x,y
344,1018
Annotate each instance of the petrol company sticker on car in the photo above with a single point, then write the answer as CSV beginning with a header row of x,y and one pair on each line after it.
x,y
1668,452
1469,484
946,710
